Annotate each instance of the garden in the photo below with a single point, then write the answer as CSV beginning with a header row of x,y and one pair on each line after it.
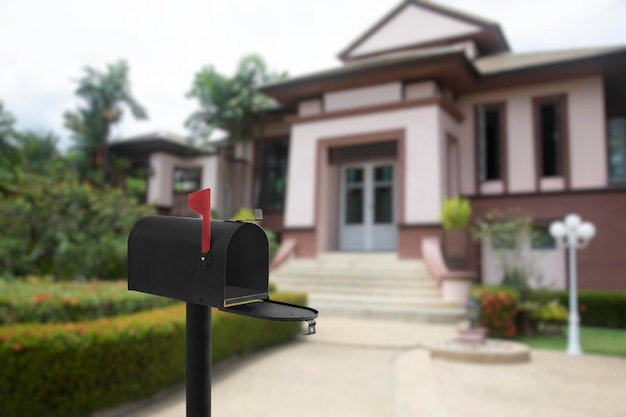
x,y
73,339
70,349
524,307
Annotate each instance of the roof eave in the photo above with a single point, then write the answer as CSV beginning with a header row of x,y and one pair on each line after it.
x,y
289,92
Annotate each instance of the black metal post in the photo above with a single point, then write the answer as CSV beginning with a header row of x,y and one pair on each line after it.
x,y
198,360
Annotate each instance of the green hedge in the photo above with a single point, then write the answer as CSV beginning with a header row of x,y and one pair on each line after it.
x,y
499,309
596,308
73,369
36,300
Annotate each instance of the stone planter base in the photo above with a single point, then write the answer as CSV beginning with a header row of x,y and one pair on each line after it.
x,y
475,335
493,351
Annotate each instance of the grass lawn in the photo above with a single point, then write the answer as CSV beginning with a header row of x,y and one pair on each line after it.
x,y
598,340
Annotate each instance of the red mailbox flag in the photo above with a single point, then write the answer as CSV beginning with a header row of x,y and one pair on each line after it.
x,y
200,202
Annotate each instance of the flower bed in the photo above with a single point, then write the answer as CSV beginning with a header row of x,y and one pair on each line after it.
x,y
499,308
73,369
41,301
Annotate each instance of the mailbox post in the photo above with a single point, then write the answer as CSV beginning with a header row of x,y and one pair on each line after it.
x,y
206,263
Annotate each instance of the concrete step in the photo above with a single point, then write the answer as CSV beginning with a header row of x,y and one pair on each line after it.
x,y
352,273
407,291
358,264
368,285
426,315
378,301
338,279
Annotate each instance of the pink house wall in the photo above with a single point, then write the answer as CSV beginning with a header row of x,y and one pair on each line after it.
x,y
161,182
363,97
411,26
586,129
423,150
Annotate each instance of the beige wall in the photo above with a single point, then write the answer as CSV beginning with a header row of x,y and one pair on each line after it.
x,y
549,265
414,25
310,107
160,183
423,158
587,137
363,97
421,90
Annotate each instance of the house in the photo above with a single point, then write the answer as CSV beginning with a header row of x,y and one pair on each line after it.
x,y
430,102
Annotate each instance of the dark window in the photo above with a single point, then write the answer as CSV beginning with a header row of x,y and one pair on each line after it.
x,y
550,139
617,149
489,143
550,135
273,175
541,239
186,180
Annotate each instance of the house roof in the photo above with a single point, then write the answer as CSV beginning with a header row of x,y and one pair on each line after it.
x,y
449,65
491,39
440,62
505,62
159,141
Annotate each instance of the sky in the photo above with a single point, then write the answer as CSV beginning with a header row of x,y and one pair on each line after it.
x,y
46,44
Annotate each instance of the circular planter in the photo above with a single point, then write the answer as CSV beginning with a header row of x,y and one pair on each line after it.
x,y
492,351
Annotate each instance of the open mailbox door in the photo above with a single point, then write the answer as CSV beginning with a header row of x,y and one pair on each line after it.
x,y
215,263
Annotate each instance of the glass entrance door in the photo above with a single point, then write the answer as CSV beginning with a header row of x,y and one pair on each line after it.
x,y
367,218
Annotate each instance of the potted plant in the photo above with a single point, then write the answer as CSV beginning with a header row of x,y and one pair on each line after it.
x,y
455,215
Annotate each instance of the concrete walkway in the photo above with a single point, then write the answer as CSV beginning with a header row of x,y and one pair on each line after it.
x,y
376,368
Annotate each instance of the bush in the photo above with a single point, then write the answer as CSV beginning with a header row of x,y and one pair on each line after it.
x,y
455,213
36,300
56,225
74,369
499,309
596,308
552,312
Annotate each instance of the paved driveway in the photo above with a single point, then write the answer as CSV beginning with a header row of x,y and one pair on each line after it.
x,y
376,368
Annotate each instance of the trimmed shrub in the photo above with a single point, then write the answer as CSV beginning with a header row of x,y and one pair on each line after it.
x,y
36,300
499,309
596,308
74,369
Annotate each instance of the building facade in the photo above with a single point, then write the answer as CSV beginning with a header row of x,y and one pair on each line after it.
x,y
430,103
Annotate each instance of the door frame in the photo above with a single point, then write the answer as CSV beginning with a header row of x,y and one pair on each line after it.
x,y
369,185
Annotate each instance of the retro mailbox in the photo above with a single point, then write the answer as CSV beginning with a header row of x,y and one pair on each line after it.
x,y
215,263
206,263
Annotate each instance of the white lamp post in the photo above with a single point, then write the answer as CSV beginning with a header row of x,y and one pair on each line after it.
x,y
575,234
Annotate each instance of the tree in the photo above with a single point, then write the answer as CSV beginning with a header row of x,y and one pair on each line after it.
x,y
9,154
39,151
105,95
233,104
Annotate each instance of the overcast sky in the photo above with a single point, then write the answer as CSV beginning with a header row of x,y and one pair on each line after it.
x,y
45,44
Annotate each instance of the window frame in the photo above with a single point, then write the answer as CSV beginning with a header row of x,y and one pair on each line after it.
x,y
260,165
563,158
196,169
620,182
502,142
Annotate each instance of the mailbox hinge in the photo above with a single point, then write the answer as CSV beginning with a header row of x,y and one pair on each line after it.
x,y
310,329
206,261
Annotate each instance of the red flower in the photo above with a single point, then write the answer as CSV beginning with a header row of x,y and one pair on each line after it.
x,y
17,347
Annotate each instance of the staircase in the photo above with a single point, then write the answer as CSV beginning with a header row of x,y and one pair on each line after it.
x,y
367,285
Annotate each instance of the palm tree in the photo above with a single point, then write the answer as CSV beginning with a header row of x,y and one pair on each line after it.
x,y
8,151
232,104
105,94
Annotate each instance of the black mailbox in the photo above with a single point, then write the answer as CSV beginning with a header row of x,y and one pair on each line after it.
x,y
215,263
